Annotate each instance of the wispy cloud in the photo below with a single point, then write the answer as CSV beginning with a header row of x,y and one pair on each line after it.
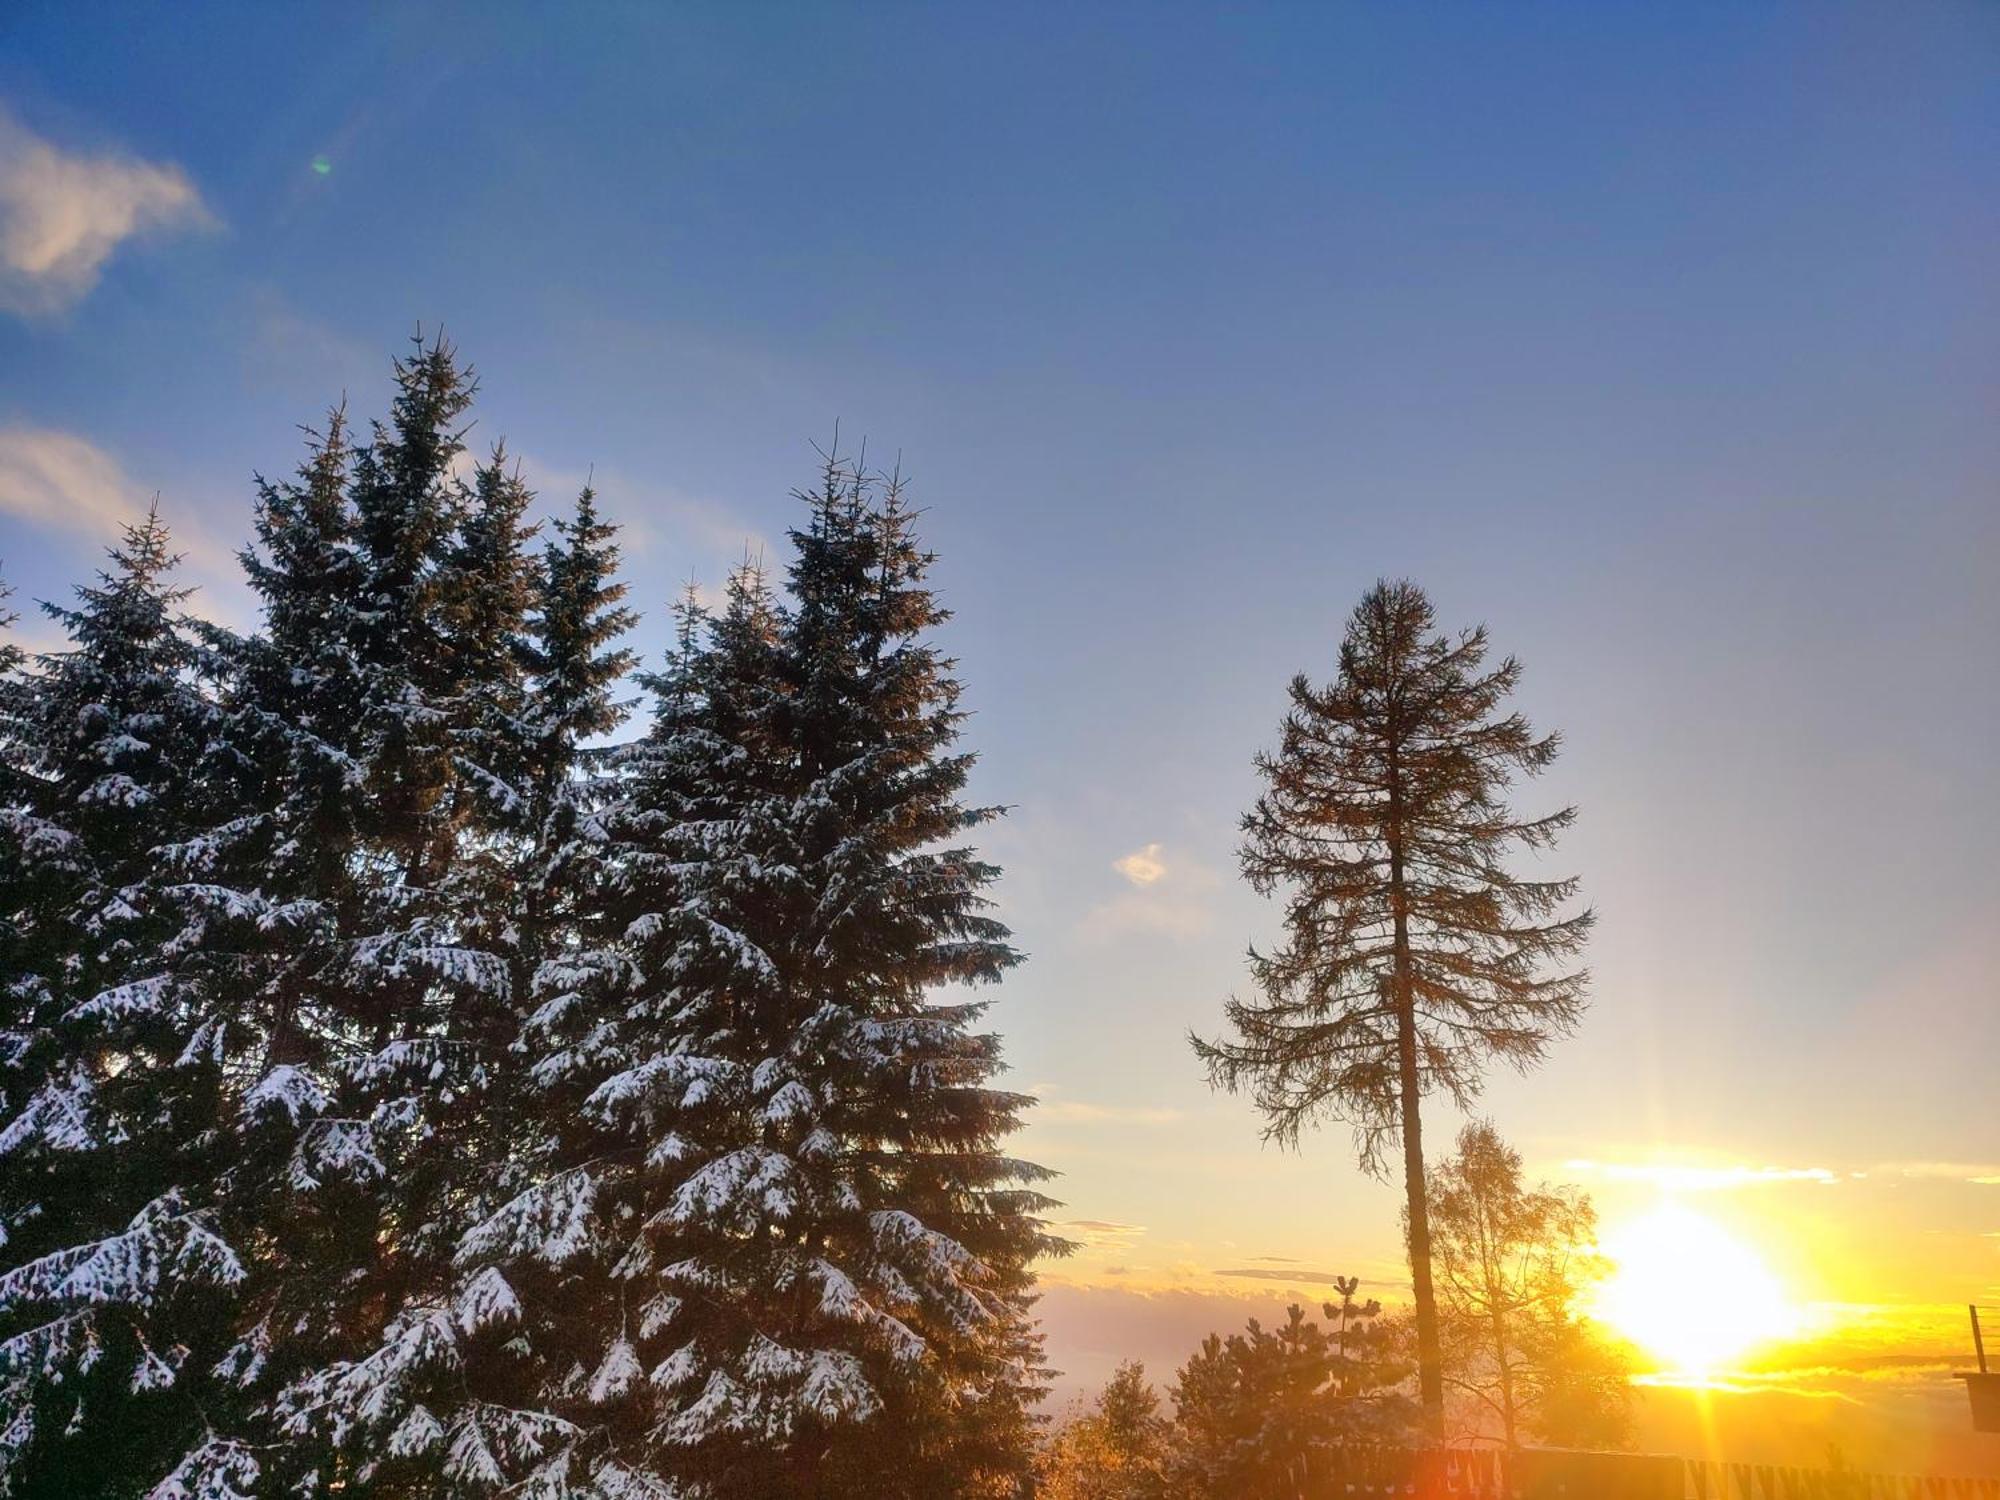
x,y
1101,1233
294,351
64,213
1980,1173
648,512
65,482
1294,1277
1700,1178
58,479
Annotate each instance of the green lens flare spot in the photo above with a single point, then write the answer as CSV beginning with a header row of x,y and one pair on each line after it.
x,y
321,166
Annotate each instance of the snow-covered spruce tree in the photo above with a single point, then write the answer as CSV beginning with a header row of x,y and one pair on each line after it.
x,y
644,964
115,1286
835,1244
411,992
490,588
460,1395
918,1229
793,1254
574,668
518,1325
334,933
269,892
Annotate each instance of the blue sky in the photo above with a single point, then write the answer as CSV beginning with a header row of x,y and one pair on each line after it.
x,y
1662,338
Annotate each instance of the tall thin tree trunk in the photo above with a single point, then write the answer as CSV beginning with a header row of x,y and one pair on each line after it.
x,y
1509,1419
1430,1359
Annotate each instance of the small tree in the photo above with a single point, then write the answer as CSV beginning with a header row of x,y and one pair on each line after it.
x,y
1258,1412
1413,956
1511,1262
1116,1451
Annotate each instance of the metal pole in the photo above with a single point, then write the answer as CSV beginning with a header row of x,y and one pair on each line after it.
x,y
1978,1343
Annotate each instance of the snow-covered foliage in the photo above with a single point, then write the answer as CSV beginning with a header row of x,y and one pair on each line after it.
x,y
402,1095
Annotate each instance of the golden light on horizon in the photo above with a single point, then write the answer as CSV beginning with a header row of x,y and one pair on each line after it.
x,y
1688,1292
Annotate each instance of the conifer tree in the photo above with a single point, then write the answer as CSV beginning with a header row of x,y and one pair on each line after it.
x,y
462,1393
809,1259
414,986
573,671
402,1097
1413,956
1258,1412
114,1284
1118,1450
255,886
343,942
19,873
906,1225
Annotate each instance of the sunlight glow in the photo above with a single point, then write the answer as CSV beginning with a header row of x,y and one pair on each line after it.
x,y
1690,1293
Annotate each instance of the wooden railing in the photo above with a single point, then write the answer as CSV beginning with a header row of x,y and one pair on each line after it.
x,y
1484,1474
1555,1474
1724,1481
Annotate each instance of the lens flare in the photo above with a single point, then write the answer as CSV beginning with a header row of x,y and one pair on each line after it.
x,y
1691,1294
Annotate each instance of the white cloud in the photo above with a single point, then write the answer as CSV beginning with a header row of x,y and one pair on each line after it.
x,y
1169,898
292,351
1290,1277
63,214
1142,866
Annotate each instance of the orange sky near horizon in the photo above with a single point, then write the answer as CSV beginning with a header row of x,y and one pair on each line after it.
x,y
1860,1252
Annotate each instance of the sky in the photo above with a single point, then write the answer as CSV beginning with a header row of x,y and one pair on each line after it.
x,y
1662,339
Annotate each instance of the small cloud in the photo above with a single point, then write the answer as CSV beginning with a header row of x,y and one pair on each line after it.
x,y
1142,866
1292,1278
1102,1232
63,214
1169,898
648,512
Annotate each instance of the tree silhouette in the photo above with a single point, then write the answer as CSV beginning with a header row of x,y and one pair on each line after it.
x,y
1412,955
1511,1262
1258,1412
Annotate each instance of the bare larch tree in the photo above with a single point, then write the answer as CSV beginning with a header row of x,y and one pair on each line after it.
x,y
1412,957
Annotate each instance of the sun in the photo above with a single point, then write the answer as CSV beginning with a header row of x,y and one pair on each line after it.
x,y
1690,1293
